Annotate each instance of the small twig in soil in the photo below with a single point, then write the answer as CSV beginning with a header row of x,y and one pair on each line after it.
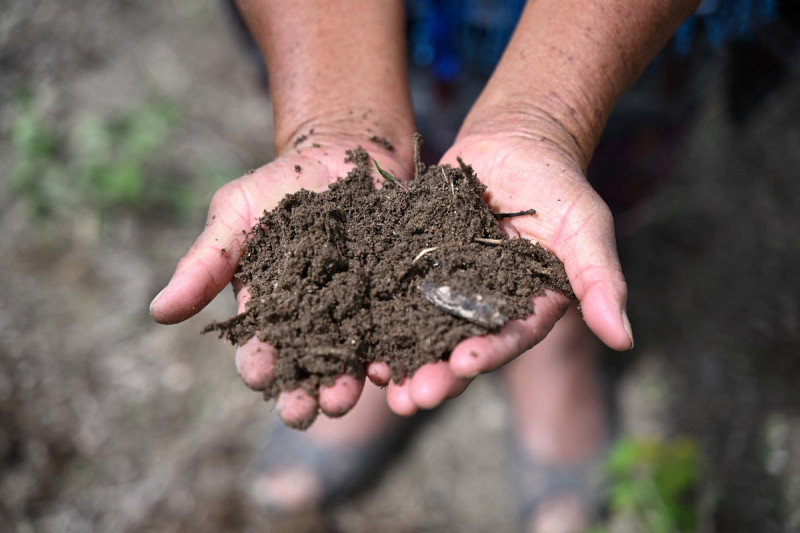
x,y
423,252
419,166
495,242
452,188
541,271
517,214
330,350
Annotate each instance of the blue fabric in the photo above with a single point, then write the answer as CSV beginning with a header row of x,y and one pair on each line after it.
x,y
451,37
721,21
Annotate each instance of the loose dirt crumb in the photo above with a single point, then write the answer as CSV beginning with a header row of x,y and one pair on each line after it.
x,y
383,141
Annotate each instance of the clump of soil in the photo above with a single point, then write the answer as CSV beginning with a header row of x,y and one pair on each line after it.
x,y
401,274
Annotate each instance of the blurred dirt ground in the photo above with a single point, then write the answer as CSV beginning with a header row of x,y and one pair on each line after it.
x,y
109,422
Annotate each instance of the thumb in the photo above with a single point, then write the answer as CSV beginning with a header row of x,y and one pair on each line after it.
x,y
209,264
588,249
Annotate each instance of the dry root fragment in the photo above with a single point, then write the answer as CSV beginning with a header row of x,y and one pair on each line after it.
x,y
423,252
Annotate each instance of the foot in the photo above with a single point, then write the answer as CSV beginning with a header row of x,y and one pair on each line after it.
x,y
561,427
305,470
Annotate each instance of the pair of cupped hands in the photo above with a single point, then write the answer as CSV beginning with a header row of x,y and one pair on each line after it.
x,y
521,169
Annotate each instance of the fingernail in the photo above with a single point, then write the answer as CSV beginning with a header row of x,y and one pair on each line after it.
x,y
155,300
626,323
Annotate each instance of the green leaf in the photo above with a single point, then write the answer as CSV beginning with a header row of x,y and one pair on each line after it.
x,y
623,496
388,177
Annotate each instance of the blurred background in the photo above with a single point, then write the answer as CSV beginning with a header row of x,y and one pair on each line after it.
x,y
119,120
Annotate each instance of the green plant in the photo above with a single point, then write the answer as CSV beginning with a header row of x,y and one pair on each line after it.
x,y
100,163
36,148
654,484
110,156
388,177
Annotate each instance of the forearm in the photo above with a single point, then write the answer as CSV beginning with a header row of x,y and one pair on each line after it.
x,y
334,65
567,64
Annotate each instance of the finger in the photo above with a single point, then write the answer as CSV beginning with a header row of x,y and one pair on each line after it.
x,y
255,362
337,399
588,248
475,355
379,373
603,301
241,294
210,263
398,396
434,383
297,408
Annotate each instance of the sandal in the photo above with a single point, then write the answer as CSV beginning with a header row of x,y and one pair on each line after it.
x,y
581,484
340,472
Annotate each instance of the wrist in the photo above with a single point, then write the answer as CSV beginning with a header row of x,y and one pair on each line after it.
x,y
530,124
347,128
334,132
567,64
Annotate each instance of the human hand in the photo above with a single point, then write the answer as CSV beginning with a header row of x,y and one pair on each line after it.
x,y
212,261
524,171
529,137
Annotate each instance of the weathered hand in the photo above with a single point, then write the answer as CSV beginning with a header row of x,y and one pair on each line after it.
x,y
524,172
212,261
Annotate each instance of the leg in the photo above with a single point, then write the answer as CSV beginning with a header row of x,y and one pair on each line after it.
x,y
559,417
303,469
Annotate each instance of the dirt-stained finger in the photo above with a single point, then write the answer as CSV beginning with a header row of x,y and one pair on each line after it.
x,y
434,383
379,373
241,294
210,263
297,408
398,396
476,355
339,398
255,362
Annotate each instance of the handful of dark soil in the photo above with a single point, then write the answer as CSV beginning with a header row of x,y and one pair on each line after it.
x,y
401,274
